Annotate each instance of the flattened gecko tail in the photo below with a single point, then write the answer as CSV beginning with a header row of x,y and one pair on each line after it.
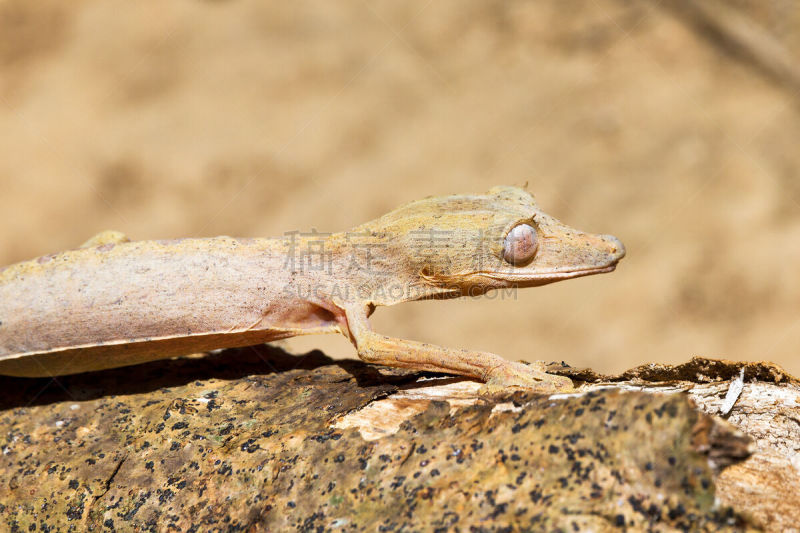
x,y
106,237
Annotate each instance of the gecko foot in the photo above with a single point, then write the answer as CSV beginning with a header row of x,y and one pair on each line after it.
x,y
525,377
106,237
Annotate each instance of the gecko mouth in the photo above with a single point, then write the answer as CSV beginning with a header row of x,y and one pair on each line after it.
x,y
582,272
549,276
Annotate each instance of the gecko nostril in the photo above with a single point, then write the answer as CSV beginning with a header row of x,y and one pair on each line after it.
x,y
617,248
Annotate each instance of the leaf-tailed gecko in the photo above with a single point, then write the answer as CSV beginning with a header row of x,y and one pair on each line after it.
x,y
114,303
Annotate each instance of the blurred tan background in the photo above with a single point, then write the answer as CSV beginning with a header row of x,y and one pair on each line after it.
x,y
677,133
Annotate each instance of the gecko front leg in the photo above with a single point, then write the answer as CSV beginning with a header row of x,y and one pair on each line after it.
x,y
497,373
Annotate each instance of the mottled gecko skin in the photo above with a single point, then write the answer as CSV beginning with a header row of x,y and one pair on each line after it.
x,y
114,303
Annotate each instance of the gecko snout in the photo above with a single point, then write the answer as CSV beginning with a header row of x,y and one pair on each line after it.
x,y
616,248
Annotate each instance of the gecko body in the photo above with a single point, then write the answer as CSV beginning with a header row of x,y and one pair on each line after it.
x,y
114,303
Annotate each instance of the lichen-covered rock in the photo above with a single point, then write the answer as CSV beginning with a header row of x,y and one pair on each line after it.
x,y
248,440
759,398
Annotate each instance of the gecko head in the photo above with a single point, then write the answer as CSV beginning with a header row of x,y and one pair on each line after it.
x,y
468,244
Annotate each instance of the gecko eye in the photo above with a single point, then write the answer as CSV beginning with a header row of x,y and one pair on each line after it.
x,y
520,245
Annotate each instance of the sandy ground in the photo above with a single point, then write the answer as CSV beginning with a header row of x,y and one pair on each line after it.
x,y
251,119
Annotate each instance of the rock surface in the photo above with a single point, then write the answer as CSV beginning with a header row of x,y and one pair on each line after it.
x,y
256,439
